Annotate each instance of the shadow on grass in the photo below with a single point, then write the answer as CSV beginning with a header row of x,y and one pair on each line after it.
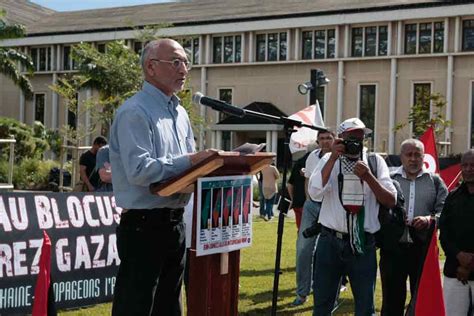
x,y
345,307
270,271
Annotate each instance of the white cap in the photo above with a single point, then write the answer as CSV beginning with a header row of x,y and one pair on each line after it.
x,y
352,124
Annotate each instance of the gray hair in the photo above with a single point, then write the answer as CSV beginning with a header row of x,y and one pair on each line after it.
x,y
469,152
146,52
412,142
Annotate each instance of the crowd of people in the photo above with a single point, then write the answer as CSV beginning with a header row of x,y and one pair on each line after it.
x,y
350,194
337,193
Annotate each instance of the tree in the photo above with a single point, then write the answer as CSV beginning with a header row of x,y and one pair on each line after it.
x,y
11,58
427,111
116,74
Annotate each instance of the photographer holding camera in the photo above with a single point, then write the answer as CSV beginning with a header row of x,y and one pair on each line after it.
x,y
349,217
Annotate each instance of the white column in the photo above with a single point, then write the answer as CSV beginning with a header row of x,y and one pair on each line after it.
x,y
297,44
208,49
268,141
288,45
201,49
275,143
392,105
336,38
347,30
242,47
389,38
202,108
449,96
21,117
457,31
55,100
218,139
251,54
340,91
213,139
88,117
399,37
446,35
58,59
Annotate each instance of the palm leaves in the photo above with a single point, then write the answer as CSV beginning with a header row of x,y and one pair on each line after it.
x,y
11,60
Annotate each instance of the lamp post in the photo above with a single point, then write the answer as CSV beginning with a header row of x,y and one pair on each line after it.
x,y
318,78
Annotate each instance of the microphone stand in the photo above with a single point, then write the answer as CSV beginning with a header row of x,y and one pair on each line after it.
x,y
288,125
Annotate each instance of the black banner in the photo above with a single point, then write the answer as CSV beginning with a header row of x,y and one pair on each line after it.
x,y
84,258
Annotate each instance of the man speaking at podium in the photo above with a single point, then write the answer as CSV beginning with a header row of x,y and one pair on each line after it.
x,y
152,140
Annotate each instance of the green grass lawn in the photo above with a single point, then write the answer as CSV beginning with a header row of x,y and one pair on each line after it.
x,y
256,277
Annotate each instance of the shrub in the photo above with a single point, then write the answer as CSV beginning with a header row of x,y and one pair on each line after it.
x,y
28,144
32,174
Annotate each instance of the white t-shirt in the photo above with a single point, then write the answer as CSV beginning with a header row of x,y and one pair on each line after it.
x,y
311,162
332,213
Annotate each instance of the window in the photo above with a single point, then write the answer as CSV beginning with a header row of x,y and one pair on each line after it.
x,y
410,39
225,49
369,41
307,45
357,42
68,62
318,44
41,58
424,38
191,47
101,48
225,95
39,107
438,45
421,96
383,40
138,47
271,46
468,35
367,99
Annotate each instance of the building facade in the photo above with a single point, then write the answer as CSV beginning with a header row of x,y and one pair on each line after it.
x,y
380,57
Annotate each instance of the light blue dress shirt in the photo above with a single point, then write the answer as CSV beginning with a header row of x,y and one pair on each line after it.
x,y
149,141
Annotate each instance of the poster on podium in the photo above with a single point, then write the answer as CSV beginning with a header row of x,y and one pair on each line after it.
x,y
224,218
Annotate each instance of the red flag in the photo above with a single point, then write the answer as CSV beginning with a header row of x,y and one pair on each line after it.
x,y
431,155
429,295
451,176
43,283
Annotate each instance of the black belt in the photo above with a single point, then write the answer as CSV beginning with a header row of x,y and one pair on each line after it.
x,y
150,216
339,235
335,233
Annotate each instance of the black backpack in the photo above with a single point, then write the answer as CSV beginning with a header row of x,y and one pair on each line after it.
x,y
393,220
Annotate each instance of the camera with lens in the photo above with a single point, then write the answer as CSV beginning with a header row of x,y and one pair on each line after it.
x,y
312,230
353,146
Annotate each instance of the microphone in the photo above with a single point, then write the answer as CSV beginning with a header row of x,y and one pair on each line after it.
x,y
199,98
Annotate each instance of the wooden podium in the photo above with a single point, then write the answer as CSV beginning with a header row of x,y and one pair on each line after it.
x,y
213,279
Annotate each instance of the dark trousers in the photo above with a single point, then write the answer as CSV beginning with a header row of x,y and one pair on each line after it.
x,y
151,249
332,260
395,268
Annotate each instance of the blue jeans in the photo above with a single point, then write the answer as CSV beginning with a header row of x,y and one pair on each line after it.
x,y
333,258
305,249
268,208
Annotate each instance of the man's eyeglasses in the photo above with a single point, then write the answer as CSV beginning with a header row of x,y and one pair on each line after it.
x,y
176,63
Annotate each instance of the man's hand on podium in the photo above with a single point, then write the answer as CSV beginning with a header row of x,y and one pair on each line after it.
x,y
202,155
